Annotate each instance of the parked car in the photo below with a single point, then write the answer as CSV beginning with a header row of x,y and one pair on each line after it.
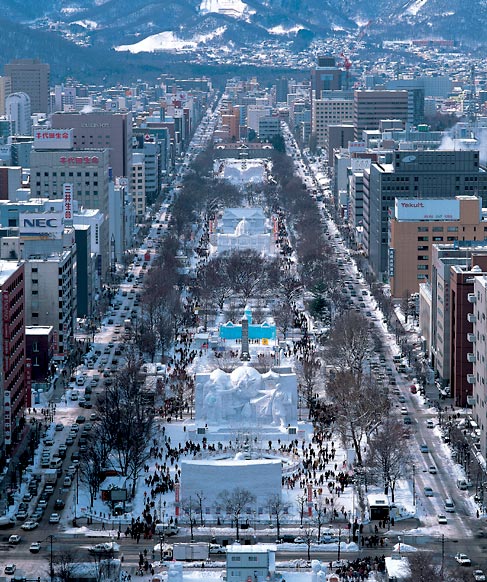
x,y
10,569
35,547
14,539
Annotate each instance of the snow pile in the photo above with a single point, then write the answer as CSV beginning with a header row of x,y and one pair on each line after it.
x,y
415,6
169,41
88,24
282,30
404,548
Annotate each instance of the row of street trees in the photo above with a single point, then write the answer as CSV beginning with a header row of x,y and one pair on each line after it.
x,y
119,438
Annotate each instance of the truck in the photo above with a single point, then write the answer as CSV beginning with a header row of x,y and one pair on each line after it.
x,y
190,551
50,476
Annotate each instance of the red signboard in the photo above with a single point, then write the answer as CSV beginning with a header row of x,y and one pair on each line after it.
x,y
68,202
79,160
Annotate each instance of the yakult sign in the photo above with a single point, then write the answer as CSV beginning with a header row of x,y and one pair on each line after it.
x,y
414,209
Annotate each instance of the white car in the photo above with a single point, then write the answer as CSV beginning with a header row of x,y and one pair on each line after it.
x,y
479,576
217,549
28,525
10,569
463,560
14,539
55,518
35,547
442,519
432,470
105,548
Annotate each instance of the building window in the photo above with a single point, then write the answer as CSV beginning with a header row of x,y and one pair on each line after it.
x,y
437,229
423,229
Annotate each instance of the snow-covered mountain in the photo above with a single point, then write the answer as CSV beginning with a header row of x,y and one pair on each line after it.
x,y
125,22
145,25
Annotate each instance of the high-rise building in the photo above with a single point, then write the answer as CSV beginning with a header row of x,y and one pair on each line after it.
x,y
415,174
18,110
88,171
14,388
371,107
138,184
5,90
326,76
32,77
331,108
430,220
101,129
282,90
461,325
478,342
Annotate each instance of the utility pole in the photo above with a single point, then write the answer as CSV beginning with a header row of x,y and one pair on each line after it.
x,y
51,571
442,556
414,485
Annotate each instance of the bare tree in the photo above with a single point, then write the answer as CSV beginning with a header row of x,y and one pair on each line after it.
x,y
319,516
235,502
301,502
190,508
283,315
92,460
358,408
388,455
308,535
277,509
126,419
349,343
64,564
246,272
309,371
421,567
200,497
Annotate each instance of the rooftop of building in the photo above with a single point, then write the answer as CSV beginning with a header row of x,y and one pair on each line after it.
x,y
38,329
7,269
251,549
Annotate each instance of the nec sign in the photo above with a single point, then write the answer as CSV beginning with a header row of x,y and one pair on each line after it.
x,y
40,222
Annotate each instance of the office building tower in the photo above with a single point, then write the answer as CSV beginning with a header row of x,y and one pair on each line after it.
x,y
88,171
330,108
431,220
414,174
32,77
282,90
371,107
326,76
101,129
14,388
5,90
18,110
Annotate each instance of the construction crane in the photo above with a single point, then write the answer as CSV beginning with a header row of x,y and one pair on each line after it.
x,y
347,64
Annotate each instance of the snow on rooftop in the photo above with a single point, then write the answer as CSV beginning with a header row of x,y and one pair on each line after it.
x,y
234,8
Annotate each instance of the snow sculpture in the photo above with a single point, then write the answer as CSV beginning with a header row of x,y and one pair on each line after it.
x,y
246,397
